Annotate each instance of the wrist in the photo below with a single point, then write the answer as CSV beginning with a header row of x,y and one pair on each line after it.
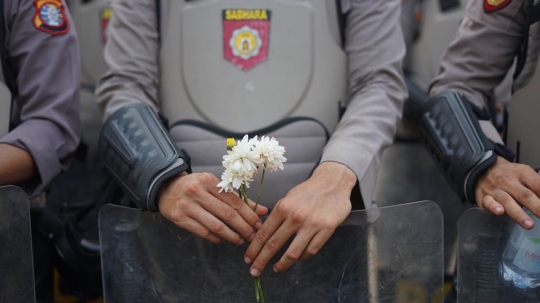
x,y
337,173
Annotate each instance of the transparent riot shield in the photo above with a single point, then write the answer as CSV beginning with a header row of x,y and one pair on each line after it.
x,y
391,254
16,268
483,266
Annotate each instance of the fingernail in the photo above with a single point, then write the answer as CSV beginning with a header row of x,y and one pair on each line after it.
x,y
247,260
529,223
241,241
499,210
258,225
254,272
275,270
251,237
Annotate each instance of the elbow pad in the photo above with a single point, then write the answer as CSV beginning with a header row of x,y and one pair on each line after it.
x,y
456,142
139,153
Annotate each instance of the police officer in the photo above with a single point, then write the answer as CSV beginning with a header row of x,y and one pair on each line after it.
x,y
130,94
456,122
40,65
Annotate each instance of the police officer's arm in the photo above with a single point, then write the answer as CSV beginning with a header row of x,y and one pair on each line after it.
x,y
46,65
313,210
139,152
472,66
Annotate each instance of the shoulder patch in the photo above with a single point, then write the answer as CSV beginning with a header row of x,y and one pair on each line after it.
x,y
495,5
50,17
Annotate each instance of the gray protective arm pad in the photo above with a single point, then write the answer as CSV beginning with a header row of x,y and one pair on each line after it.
x,y
456,142
139,153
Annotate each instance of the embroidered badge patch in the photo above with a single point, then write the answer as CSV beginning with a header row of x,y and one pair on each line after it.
x,y
50,17
105,17
245,36
495,5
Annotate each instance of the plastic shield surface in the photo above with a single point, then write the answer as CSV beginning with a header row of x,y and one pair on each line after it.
x,y
392,254
486,267
16,269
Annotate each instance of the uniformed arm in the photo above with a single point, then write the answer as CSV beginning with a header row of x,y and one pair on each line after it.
x,y
47,106
481,55
311,211
131,54
191,201
375,47
473,65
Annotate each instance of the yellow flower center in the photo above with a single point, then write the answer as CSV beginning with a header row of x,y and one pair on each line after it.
x,y
230,143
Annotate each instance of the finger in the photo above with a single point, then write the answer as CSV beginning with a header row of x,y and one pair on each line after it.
x,y
228,215
267,230
513,210
531,180
201,231
523,195
272,246
492,205
260,210
238,204
294,252
317,243
214,225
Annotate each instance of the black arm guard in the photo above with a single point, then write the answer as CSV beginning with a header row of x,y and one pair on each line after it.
x,y
456,142
139,153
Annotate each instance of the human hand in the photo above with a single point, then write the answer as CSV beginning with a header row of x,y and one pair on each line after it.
x,y
311,211
504,186
193,202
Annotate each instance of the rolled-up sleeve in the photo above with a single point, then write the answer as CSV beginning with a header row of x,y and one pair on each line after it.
x,y
131,53
482,54
46,111
375,49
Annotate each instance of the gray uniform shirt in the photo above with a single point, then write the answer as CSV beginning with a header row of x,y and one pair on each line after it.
x,y
45,60
375,48
483,53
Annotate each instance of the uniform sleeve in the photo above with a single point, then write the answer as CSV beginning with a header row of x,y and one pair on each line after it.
x,y
375,48
47,67
132,56
482,54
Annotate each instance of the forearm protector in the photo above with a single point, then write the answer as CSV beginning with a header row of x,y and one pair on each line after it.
x,y
139,153
456,142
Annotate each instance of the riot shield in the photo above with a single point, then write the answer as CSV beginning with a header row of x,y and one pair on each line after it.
x,y
146,258
483,238
16,268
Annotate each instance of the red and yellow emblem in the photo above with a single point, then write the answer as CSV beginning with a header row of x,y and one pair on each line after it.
x,y
495,5
105,17
245,36
50,17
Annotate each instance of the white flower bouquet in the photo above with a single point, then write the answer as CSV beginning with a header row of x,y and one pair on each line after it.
x,y
242,163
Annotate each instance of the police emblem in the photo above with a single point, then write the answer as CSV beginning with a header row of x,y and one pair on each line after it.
x,y
245,36
50,17
495,5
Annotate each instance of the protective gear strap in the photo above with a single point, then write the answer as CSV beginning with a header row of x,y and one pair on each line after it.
x,y
139,153
455,140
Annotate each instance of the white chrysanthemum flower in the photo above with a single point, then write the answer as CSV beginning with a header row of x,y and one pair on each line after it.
x,y
232,179
242,158
270,152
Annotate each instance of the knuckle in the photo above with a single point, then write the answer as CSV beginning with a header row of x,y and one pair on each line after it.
x,y
282,208
525,195
206,177
177,216
236,203
299,216
272,245
216,227
293,255
312,251
259,264
204,233
261,236
229,214
191,189
503,199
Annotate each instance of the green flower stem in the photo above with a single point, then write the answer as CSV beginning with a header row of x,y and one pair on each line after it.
x,y
260,190
256,280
